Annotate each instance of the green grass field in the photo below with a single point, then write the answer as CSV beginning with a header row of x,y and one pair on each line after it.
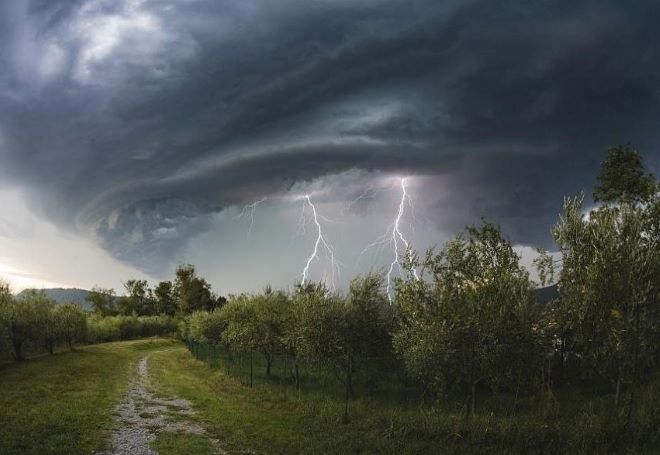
x,y
63,404
265,420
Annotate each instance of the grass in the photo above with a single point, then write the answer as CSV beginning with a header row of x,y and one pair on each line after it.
x,y
263,420
168,443
63,404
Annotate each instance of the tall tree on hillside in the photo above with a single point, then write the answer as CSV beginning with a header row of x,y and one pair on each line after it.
x,y
163,295
623,178
192,293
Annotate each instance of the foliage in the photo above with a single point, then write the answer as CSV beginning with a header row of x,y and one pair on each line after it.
x,y
102,301
472,322
138,300
71,324
113,328
609,290
191,292
164,298
5,313
319,327
257,322
29,322
545,266
622,177
206,326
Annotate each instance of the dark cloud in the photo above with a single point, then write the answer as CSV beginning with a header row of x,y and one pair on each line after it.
x,y
135,121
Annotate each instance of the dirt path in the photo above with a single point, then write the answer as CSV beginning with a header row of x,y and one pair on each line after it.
x,y
142,415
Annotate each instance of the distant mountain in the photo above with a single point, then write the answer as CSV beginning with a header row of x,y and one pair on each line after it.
x,y
61,295
546,294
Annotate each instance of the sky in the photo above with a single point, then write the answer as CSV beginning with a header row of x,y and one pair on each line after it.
x,y
136,135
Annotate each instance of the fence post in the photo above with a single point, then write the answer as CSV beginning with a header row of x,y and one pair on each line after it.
x,y
251,368
286,373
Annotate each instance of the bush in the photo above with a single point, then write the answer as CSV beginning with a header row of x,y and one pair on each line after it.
x,y
206,327
113,328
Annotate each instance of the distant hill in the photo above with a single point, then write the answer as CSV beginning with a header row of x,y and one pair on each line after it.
x,y
61,295
546,294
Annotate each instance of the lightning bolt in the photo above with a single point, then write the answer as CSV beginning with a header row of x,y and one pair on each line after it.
x,y
319,243
395,238
248,210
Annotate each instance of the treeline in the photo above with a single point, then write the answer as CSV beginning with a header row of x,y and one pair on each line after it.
x,y
187,293
33,323
465,319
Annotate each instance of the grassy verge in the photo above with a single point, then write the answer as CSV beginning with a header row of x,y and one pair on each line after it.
x,y
264,420
63,404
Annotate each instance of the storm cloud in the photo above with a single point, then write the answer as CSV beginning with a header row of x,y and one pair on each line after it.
x,y
136,122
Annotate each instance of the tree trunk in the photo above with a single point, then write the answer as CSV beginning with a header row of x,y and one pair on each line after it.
x,y
618,391
269,362
635,362
251,368
18,351
349,388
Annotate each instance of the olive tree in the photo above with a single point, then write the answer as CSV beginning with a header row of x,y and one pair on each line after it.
x,y
469,320
346,331
610,277
206,326
29,321
257,322
71,323
6,300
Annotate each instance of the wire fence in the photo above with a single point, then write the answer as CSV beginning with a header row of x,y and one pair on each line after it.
x,y
369,376
384,380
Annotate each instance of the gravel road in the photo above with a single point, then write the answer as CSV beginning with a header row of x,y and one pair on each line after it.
x,y
142,415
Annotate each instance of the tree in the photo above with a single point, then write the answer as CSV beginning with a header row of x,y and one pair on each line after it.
x,y
206,327
6,301
102,301
271,311
164,298
610,277
29,321
471,323
191,292
257,322
138,300
368,326
344,331
609,286
71,323
299,336
623,178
